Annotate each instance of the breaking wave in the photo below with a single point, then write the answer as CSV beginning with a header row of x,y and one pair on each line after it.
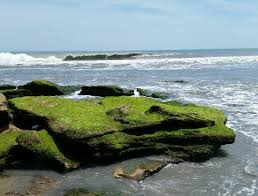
x,y
22,58
144,62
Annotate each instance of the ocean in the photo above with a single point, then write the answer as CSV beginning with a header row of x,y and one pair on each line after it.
x,y
225,79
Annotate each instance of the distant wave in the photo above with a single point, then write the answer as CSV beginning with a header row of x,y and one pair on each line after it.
x,y
22,58
145,62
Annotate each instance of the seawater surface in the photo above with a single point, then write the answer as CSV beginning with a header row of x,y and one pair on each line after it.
x,y
226,79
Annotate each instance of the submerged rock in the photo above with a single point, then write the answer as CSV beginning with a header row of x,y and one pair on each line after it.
x,y
115,128
140,172
147,93
104,91
175,81
81,192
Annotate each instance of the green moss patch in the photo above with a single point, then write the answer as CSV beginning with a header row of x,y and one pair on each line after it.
x,y
47,149
87,118
118,127
7,142
42,87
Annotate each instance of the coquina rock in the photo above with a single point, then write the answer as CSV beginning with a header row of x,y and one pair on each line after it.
x,y
112,128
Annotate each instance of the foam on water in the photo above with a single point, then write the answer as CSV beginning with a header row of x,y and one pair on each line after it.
x,y
144,62
7,58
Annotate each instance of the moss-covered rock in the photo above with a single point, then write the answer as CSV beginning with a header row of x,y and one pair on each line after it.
x,y
141,171
90,118
47,88
147,93
4,115
105,91
7,143
118,127
42,87
46,148
10,94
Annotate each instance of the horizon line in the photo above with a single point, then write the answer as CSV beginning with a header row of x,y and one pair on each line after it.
x,y
136,50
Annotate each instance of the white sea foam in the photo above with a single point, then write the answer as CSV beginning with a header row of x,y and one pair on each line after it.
x,y
7,58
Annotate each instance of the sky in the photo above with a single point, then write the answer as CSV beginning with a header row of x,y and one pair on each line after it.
x,y
71,25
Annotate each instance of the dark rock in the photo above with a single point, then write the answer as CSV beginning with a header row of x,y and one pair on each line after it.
x,y
42,88
10,94
7,87
104,91
175,81
100,57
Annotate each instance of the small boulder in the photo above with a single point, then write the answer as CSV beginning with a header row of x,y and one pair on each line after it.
x,y
140,172
42,88
146,93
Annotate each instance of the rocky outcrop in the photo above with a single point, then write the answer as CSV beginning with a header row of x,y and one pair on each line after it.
x,y
113,128
101,57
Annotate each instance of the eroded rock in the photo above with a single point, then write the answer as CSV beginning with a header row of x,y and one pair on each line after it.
x,y
141,171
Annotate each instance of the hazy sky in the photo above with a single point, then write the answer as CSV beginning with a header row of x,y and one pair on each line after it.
x,y
127,24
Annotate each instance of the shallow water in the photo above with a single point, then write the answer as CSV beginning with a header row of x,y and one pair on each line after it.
x,y
223,79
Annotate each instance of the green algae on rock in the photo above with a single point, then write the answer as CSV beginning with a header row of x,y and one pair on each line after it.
x,y
14,93
7,143
42,87
47,88
90,118
118,127
46,148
